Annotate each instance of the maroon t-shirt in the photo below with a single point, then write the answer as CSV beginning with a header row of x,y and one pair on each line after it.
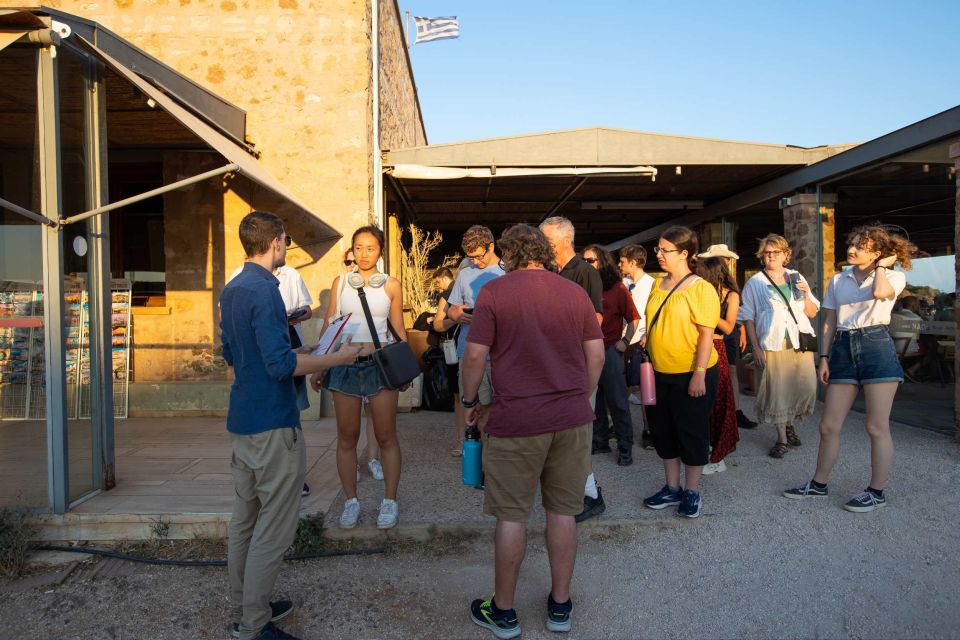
x,y
535,323
618,309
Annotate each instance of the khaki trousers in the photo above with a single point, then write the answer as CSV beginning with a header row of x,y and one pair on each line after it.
x,y
268,470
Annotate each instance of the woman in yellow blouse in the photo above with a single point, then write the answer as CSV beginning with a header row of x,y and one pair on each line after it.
x,y
682,312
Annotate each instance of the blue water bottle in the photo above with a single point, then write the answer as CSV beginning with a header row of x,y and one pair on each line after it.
x,y
472,460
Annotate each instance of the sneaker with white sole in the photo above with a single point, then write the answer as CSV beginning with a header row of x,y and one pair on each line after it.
x,y
865,501
714,467
375,469
388,514
806,491
351,514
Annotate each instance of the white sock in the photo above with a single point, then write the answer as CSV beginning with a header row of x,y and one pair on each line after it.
x,y
591,488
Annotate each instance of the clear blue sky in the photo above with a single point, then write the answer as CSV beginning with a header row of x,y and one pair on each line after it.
x,y
805,72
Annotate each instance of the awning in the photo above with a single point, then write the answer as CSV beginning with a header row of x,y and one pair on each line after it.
x,y
9,37
425,172
246,163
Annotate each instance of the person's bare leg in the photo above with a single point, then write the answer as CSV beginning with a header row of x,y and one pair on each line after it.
x,y
879,400
836,406
510,545
781,433
671,469
348,433
384,409
561,537
373,449
691,477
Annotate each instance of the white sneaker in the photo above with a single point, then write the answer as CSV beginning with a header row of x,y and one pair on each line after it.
x,y
634,399
388,514
714,467
351,514
375,469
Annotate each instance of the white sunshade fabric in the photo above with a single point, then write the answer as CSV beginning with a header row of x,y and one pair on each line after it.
x,y
425,172
248,165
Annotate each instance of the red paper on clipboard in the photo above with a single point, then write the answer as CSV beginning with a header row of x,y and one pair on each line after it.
x,y
331,336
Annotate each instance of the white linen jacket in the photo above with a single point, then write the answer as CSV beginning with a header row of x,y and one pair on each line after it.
x,y
764,306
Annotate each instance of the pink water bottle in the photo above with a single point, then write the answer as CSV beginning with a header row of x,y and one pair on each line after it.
x,y
648,387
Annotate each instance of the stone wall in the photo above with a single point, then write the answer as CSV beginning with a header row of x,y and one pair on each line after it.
x,y
401,123
800,230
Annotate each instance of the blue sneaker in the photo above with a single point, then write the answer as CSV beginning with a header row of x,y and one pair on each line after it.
x,y
504,624
558,615
664,498
690,505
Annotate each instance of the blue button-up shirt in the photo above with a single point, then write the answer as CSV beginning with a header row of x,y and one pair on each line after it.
x,y
256,343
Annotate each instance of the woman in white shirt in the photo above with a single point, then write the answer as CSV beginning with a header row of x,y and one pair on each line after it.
x,y
776,309
857,310
349,384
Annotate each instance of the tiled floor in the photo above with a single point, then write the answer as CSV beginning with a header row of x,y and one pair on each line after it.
x,y
164,466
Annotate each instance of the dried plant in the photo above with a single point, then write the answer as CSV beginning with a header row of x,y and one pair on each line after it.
x,y
416,273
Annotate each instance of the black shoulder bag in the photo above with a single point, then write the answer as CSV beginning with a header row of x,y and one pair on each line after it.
x,y
395,361
807,341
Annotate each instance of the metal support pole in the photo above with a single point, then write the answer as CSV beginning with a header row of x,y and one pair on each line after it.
x,y
213,173
98,276
48,107
36,217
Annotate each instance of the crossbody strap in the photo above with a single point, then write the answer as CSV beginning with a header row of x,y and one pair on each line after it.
x,y
785,301
653,321
373,329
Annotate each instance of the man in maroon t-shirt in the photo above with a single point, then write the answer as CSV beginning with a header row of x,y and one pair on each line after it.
x,y
546,353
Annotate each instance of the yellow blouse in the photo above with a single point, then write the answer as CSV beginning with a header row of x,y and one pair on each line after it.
x,y
672,341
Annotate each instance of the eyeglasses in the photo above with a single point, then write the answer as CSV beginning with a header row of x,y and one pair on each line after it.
x,y
770,254
287,240
479,256
659,250
349,263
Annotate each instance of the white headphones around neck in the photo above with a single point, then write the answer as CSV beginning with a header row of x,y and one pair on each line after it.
x,y
377,280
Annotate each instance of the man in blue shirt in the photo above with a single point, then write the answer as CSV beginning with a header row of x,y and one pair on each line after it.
x,y
269,458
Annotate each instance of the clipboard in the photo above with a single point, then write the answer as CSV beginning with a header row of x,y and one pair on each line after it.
x,y
331,336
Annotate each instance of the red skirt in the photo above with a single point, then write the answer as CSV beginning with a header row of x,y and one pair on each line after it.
x,y
724,433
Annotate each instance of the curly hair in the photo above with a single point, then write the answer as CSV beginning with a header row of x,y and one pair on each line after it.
x,y
522,245
609,273
777,241
876,237
476,237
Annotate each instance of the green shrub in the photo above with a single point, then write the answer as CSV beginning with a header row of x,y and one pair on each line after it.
x,y
309,538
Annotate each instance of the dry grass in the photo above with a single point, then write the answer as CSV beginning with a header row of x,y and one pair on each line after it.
x,y
416,274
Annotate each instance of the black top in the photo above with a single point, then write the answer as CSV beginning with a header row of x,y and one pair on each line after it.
x,y
446,293
577,270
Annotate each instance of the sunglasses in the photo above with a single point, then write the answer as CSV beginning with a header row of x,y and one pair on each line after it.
x,y
591,260
287,240
349,263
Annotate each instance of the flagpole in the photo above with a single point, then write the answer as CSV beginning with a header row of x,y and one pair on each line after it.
x,y
408,30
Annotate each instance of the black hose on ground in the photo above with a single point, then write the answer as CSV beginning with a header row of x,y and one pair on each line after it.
x,y
107,553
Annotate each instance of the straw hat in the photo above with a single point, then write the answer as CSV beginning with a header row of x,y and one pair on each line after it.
x,y
718,251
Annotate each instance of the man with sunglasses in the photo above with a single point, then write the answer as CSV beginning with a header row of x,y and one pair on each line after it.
x,y
484,266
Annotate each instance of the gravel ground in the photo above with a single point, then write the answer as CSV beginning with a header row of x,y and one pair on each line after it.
x,y
754,565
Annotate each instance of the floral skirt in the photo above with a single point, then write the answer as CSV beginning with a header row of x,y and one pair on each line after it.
x,y
724,433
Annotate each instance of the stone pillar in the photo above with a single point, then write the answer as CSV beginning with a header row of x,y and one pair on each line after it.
x,y
800,229
955,156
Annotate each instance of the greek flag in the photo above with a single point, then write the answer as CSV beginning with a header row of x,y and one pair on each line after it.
x,y
429,29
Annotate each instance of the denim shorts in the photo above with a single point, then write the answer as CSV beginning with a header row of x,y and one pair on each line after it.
x,y
359,379
864,356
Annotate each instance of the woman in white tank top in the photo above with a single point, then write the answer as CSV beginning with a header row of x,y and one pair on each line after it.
x,y
349,384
